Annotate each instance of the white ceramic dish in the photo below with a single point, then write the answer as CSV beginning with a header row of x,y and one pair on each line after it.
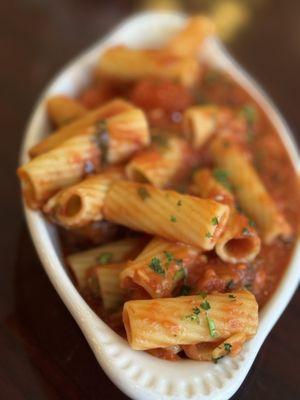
x,y
138,374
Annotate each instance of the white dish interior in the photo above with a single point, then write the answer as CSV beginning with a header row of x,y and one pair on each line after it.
x,y
138,374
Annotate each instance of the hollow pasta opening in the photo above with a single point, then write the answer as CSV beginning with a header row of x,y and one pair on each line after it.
x,y
239,247
73,206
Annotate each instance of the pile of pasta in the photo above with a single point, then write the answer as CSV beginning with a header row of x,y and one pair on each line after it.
x,y
107,162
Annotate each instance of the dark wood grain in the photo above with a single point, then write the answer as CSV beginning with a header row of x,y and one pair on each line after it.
x,y
43,354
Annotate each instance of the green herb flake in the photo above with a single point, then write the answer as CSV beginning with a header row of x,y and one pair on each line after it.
x,y
246,231
222,177
232,297
169,256
211,326
205,305
185,290
214,221
194,317
208,235
104,258
248,286
227,347
143,193
156,266
180,274
249,113
102,138
173,218
252,223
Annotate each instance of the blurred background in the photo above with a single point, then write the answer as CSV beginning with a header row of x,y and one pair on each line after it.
x,y
42,352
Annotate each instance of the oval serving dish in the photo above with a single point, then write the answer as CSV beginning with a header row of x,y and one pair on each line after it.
x,y
138,374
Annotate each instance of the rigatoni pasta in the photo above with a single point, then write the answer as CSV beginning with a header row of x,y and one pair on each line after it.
x,y
239,242
63,110
63,166
81,126
160,267
159,164
249,189
82,203
166,213
187,41
125,64
115,252
189,319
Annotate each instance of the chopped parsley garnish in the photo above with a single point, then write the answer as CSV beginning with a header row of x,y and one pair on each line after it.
x,y
102,138
194,317
249,113
179,203
169,256
222,177
211,326
231,296
156,266
230,284
227,347
208,235
105,258
248,286
184,290
180,274
245,231
215,221
205,305
143,193
202,294
173,218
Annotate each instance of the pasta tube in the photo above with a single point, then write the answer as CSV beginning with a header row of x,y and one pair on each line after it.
x,y
63,110
123,135
250,191
166,213
82,203
201,122
114,252
188,41
189,319
126,64
239,242
45,175
109,285
80,126
159,164
159,267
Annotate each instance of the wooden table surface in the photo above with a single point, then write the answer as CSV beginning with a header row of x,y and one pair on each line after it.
x,y
43,354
